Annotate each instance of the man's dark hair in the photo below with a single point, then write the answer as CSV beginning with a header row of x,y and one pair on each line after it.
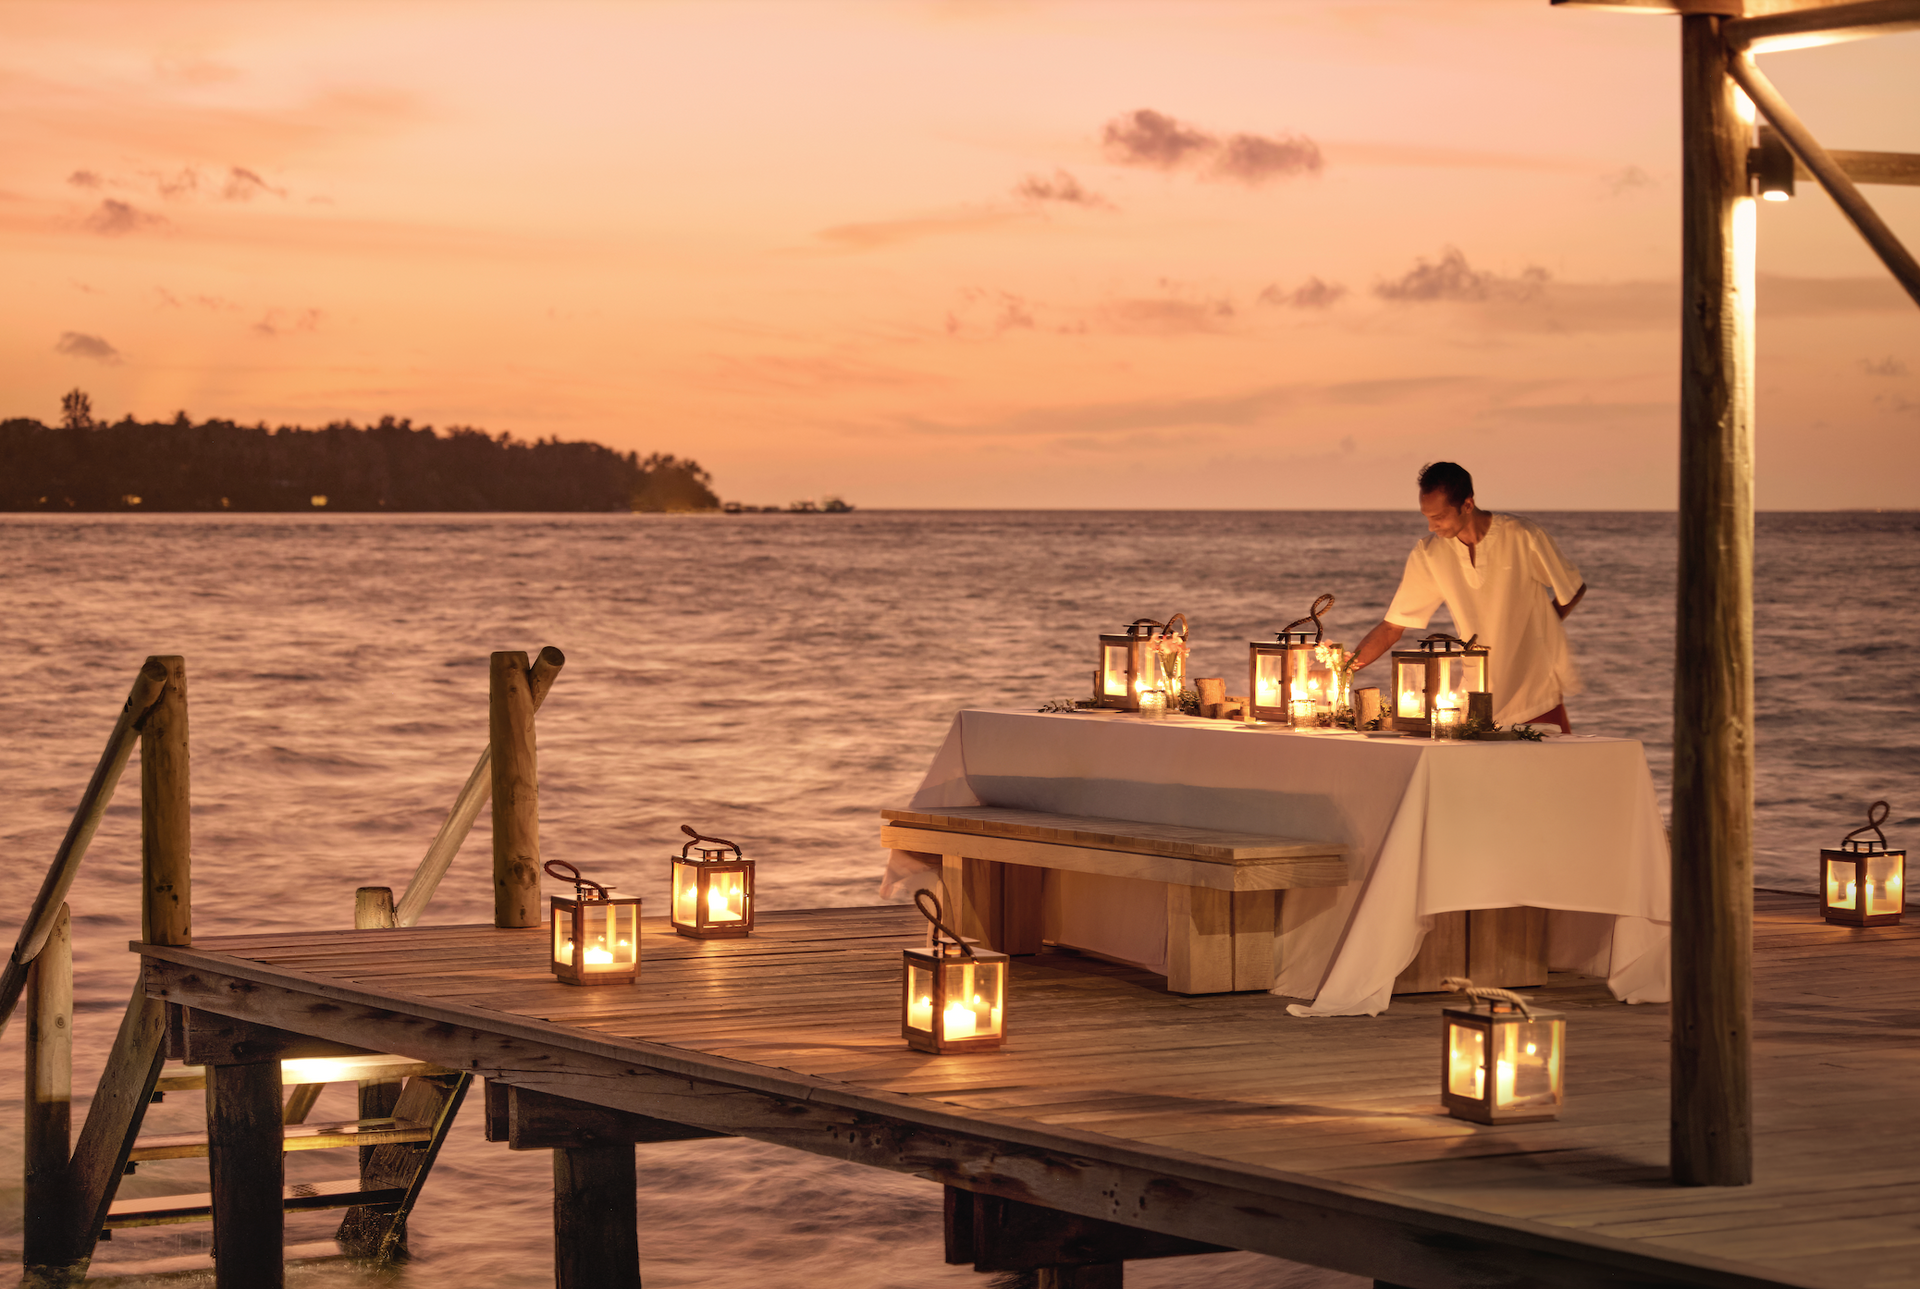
x,y
1445,476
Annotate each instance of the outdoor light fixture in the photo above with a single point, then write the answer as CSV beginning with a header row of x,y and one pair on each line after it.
x,y
953,995
1504,1064
596,938
1431,682
1286,681
1129,664
1770,165
712,889
1863,883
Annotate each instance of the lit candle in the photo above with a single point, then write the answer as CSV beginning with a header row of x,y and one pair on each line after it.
x,y
722,904
1503,1082
920,1013
960,1020
1411,703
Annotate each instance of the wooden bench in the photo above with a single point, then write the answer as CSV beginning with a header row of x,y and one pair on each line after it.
x,y
1222,887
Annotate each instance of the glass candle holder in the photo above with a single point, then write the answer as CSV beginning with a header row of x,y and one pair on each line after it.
x,y
1153,704
1446,722
1301,711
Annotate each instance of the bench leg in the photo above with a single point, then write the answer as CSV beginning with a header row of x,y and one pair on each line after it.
x,y
1199,940
972,897
1507,948
1254,914
1443,953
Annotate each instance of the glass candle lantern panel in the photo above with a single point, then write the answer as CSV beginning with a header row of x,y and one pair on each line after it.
x,y
1473,677
974,997
1269,679
1466,1060
1841,884
726,896
1410,686
1526,1064
610,936
1885,891
686,894
1113,671
919,998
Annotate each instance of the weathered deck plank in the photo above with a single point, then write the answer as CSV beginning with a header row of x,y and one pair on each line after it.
x,y
792,1036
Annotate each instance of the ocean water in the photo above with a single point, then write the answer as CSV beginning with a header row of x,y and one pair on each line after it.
x,y
774,679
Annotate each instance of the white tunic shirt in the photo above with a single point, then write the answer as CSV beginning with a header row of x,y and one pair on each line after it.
x,y
1505,596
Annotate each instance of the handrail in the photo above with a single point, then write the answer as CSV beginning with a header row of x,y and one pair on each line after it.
x,y
40,921
466,807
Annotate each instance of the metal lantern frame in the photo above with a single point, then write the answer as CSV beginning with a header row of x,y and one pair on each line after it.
x,y
1506,1064
574,931
1129,660
1851,873
963,985
1295,649
697,878
1433,662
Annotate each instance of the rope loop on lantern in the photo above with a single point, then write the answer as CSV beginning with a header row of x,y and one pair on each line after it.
x,y
1487,994
1441,642
919,899
566,872
696,837
1167,627
1320,605
1876,815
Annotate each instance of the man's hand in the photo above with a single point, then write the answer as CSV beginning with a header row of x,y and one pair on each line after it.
x,y
1386,636
1562,609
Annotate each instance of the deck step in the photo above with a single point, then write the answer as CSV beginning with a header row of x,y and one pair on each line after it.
x,y
297,1136
160,1210
317,1069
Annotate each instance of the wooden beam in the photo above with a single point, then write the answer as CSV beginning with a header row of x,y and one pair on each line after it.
x,y
114,1118
1406,1239
1008,1235
247,1171
1711,1140
466,807
166,827
1901,168
86,822
1807,150
208,1038
48,1097
596,1234
1822,25
1722,8
528,1119
516,794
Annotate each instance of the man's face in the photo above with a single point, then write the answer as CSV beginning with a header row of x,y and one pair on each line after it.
x,y
1443,517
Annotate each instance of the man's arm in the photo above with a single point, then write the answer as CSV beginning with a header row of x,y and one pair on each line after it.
x,y
1387,635
1562,609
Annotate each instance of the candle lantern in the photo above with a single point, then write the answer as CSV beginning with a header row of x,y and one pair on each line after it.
x,y
1131,662
953,995
1504,1064
1864,883
596,938
1435,675
1287,671
712,889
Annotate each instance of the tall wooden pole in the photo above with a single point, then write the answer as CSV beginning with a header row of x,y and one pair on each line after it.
x,y
516,793
166,829
1711,1138
49,1101
596,1237
247,1170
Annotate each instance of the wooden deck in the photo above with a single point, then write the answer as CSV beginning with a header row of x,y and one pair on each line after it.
x,y
1219,1118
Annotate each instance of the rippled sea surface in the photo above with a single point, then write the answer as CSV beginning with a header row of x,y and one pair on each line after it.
x,y
774,679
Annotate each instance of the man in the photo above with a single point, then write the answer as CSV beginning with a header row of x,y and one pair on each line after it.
x,y
1504,580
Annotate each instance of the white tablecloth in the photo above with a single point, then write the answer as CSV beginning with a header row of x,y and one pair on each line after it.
x,y
1569,824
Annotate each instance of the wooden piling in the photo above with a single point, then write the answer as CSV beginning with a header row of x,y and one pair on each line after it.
x,y
166,831
246,1167
49,1099
466,807
372,908
516,793
1711,1139
596,1236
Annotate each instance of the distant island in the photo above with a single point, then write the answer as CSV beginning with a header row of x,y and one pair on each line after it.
x,y
177,465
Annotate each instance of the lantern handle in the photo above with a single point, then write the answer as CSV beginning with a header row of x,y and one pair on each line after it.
x,y
1320,606
688,830
1181,618
934,917
572,874
1447,642
1876,815
1487,994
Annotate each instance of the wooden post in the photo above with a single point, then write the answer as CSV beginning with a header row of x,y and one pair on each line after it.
x,y
466,807
246,1166
516,794
372,908
596,1235
1711,1142
166,831
49,1102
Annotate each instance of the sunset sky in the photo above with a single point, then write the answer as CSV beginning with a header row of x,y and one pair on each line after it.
x,y
976,254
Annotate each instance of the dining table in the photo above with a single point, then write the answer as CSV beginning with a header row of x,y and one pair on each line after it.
x,y
1569,824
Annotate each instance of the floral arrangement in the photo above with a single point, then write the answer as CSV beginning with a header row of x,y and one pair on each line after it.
x,y
1173,651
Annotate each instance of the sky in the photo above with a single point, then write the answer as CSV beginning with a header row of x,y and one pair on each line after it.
x,y
964,253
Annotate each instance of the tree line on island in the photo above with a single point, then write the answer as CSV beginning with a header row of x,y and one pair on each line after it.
x,y
128,465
